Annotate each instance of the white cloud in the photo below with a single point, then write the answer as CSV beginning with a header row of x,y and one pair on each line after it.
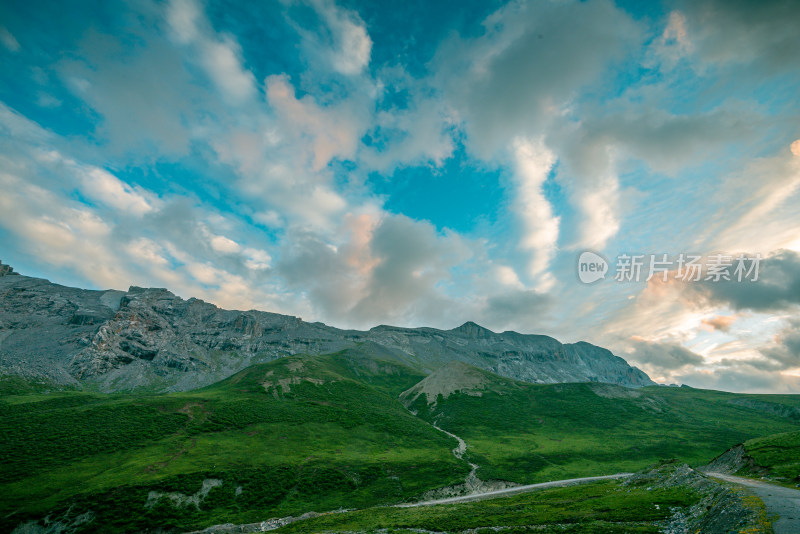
x,y
345,47
67,236
184,17
660,357
223,244
147,251
757,201
421,132
257,259
103,186
222,60
17,127
98,184
795,148
316,209
382,268
741,377
506,276
205,273
522,78
220,56
673,44
352,43
533,162
47,101
329,132
130,236
599,207
270,218
528,65
8,40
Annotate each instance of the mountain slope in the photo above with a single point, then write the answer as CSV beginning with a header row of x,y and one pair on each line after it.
x,y
776,456
453,377
323,432
530,433
275,439
152,340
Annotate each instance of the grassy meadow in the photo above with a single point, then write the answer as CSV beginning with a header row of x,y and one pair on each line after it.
x,y
323,433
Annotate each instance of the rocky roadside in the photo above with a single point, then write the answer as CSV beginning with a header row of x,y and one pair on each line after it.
x,y
721,509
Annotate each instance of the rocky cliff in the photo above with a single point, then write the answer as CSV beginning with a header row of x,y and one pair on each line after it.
x,y
151,339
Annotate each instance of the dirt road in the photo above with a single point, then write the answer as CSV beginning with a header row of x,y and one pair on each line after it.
x,y
515,490
784,502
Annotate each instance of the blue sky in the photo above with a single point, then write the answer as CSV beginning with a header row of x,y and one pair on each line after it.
x,y
420,163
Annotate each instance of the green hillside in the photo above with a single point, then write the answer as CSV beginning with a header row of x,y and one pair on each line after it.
x,y
602,508
532,433
320,433
777,456
293,435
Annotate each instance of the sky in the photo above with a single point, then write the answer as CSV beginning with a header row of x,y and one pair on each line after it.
x,y
422,164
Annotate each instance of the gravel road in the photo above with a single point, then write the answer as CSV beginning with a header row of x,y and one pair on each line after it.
x,y
515,490
781,501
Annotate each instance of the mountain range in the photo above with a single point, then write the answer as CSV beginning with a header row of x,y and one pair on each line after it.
x,y
149,339
139,411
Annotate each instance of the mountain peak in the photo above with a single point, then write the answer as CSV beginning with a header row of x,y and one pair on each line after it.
x,y
472,329
151,338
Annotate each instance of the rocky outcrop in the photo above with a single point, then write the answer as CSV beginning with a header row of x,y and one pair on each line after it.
x,y
6,269
150,338
454,377
735,460
729,461
720,508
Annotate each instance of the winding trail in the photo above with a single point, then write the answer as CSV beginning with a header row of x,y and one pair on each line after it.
x,y
472,481
781,501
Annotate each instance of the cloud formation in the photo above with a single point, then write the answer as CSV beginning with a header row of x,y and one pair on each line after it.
x,y
260,156
668,356
533,164
759,34
527,66
785,352
777,288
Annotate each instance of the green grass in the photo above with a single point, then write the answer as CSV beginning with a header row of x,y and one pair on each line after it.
x,y
292,446
15,385
779,454
532,433
597,507
321,433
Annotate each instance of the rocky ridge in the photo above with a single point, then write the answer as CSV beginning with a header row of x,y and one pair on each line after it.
x,y
149,338
720,509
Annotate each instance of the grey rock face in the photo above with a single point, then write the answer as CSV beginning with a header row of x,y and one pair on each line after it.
x,y
6,269
153,339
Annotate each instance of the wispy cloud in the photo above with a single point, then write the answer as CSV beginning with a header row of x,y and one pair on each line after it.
x,y
254,156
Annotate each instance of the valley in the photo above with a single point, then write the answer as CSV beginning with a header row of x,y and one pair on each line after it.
x,y
418,267
342,431
139,411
